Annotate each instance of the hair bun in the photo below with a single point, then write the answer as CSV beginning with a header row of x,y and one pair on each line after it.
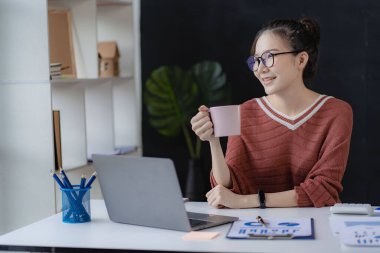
x,y
312,27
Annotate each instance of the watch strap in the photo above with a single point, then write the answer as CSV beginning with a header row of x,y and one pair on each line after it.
x,y
261,196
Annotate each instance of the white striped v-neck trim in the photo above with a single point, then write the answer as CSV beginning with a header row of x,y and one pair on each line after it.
x,y
299,123
292,117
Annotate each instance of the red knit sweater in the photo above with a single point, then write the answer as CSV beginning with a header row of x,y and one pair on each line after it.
x,y
277,153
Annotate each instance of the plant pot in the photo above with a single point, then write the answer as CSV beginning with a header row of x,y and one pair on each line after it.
x,y
195,183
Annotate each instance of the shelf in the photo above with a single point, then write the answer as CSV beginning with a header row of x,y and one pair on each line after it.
x,y
136,151
90,80
76,167
6,82
113,2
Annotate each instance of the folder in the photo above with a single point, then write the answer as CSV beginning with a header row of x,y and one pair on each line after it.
x,y
289,228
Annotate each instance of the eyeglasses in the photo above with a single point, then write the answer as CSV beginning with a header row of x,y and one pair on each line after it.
x,y
267,58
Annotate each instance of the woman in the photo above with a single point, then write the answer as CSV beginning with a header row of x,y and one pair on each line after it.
x,y
294,142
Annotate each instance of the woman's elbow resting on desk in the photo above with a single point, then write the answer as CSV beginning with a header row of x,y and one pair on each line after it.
x,y
220,197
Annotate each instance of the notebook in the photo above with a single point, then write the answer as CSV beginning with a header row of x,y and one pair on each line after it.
x,y
145,191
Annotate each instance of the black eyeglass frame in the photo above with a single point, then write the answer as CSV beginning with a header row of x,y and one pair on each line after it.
x,y
251,59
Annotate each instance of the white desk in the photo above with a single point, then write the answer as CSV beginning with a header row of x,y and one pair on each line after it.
x,y
102,235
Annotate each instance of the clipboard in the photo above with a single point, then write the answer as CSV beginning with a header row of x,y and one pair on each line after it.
x,y
274,229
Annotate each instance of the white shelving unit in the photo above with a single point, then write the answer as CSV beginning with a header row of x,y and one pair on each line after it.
x,y
99,115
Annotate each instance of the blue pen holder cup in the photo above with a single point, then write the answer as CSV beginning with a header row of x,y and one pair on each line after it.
x,y
76,205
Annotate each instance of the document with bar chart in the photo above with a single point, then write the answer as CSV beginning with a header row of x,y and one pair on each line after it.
x,y
292,228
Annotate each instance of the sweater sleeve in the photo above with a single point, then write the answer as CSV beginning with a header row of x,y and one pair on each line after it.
x,y
323,183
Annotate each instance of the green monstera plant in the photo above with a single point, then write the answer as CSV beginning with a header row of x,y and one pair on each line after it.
x,y
173,95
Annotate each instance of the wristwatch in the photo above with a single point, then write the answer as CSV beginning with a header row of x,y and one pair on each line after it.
x,y
261,196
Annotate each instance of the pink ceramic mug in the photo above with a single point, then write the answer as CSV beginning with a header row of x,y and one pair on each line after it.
x,y
226,120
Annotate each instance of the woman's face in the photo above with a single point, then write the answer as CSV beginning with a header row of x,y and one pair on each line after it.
x,y
284,74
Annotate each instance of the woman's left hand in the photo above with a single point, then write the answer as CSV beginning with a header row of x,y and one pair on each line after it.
x,y
220,197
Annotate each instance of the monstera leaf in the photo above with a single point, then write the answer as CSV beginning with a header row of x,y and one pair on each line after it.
x,y
170,98
211,82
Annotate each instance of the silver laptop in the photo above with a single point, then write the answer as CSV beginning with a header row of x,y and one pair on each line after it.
x,y
145,191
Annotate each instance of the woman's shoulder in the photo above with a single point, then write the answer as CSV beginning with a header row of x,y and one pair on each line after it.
x,y
336,112
337,106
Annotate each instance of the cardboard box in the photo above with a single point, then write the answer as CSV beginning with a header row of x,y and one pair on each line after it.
x,y
108,53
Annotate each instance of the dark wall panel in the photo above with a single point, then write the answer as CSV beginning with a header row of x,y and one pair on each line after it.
x,y
184,32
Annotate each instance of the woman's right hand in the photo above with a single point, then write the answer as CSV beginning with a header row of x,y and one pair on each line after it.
x,y
202,125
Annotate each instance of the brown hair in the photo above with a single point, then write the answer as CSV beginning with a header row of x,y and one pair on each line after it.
x,y
302,35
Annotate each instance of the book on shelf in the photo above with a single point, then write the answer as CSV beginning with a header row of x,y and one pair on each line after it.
x,y
57,139
55,70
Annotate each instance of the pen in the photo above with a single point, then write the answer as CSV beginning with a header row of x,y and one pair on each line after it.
x,y
261,220
66,182
58,181
65,179
91,180
82,181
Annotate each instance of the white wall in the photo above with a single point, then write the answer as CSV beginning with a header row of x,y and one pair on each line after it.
x,y
121,23
68,98
99,118
114,23
137,74
125,113
26,143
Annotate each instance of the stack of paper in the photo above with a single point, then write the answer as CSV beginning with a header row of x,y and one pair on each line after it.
x,y
117,151
355,230
361,236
